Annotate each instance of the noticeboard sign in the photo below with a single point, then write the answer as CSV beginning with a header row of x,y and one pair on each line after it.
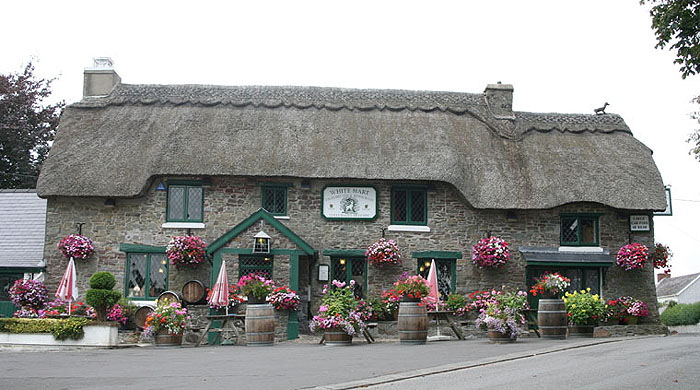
x,y
640,223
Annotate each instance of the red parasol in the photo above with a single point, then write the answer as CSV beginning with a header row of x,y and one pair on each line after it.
x,y
68,289
220,294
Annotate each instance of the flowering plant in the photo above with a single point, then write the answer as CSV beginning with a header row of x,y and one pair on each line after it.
x,y
552,283
59,307
185,251
29,294
234,296
505,314
481,299
490,252
256,285
390,300
118,314
414,286
584,308
624,307
284,298
168,316
661,257
632,256
76,246
339,309
457,303
383,252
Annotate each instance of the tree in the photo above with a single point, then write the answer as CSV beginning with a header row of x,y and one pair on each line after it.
x,y
26,127
678,22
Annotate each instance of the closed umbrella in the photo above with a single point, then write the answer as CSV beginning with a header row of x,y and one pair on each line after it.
x,y
433,296
219,294
68,288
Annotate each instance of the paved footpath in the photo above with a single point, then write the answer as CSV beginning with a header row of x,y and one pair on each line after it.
x,y
288,365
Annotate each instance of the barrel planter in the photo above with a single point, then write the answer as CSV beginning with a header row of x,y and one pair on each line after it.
x,y
141,314
500,338
337,337
193,292
163,339
413,322
259,325
552,319
169,297
581,330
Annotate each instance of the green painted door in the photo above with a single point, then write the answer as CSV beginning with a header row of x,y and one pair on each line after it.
x,y
6,281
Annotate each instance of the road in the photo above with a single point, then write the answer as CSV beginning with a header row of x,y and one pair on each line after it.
x,y
640,363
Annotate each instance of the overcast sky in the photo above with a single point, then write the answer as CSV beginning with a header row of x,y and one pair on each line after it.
x,y
561,56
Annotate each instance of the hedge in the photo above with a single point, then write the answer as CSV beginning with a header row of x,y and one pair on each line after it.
x,y
681,314
61,329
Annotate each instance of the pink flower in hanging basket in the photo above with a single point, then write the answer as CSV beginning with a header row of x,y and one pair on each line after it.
x,y
383,252
186,251
490,252
632,256
76,246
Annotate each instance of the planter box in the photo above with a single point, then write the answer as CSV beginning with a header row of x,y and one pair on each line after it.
x,y
95,336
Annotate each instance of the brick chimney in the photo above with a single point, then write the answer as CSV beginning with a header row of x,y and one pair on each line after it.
x,y
661,276
101,78
499,98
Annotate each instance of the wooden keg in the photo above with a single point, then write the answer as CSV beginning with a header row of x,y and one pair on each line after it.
x,y
168,297
336,337
552,319
259,325
193,292
413,323
141,314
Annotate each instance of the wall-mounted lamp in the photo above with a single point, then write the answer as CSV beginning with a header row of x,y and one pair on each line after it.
x,y
261,241
342,261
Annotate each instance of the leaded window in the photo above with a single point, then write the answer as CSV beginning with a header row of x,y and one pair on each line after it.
x,y
409,206
254,264
274,200
446,274
579,230
185,203
345,269
147,275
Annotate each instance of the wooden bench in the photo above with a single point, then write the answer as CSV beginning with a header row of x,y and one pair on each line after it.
x,y
235,320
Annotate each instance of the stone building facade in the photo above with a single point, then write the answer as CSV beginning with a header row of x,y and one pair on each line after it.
x,y
474,172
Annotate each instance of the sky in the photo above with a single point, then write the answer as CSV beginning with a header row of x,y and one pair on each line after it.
x,y
560,56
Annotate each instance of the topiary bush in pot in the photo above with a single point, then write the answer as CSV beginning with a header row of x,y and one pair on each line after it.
x,y
100,295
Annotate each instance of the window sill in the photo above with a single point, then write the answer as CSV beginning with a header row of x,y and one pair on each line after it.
x,y
588,249
409,228
285,217
183,225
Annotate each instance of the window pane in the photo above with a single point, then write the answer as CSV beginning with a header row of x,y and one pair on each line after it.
x,y
398,206
194,203
6,281
418,206
261,265
158,275
358,275
592,277
339,269
176,203
444,276
569,230
588,233
137,276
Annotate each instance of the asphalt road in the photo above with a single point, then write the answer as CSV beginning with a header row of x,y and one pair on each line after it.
x,y
652,362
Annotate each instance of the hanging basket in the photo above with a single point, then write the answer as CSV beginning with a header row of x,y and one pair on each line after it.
x,y
632,256
187,251
76,246
490,252
383,252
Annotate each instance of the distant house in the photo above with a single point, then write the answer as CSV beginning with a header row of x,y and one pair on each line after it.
x,y
682,289
22,235
327,171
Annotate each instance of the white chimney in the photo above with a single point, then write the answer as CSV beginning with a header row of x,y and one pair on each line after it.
x,y
100,79
499,98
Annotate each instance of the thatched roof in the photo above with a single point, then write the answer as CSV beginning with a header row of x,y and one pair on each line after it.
x,y
111,146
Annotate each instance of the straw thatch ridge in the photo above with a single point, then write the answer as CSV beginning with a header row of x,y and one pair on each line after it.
x,y
112,146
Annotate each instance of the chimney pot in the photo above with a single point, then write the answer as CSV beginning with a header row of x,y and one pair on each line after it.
x,y
662,276
101,79
499,98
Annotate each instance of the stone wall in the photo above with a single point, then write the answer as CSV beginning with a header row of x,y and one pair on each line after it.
x,y
454,226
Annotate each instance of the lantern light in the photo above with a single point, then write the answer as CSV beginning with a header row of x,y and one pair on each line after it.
x,y
342,261
261,242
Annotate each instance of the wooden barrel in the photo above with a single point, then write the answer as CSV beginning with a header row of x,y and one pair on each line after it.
x,y
163,339
552,319
500,338
169,297
140,316
413,323
336,337
193,292
259,325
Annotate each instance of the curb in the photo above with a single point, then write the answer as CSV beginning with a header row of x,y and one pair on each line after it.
x,y
384,379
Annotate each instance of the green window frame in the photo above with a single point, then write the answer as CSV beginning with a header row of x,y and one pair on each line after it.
x,y
185,202
146,275
274,199
346,268
579,230
409,206
423,267
254,263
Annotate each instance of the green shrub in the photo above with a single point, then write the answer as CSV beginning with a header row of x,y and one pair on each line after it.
x,y
102,298
681,314
61,329
672,303
103,281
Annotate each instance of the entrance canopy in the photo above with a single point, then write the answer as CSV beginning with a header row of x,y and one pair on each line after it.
x,y
556,257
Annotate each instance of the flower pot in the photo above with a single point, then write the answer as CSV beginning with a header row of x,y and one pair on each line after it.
x,y
163,339
413,323
252,299
552,319
259,325
337,337
409,299
581,330
629,320
500,338
549,295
